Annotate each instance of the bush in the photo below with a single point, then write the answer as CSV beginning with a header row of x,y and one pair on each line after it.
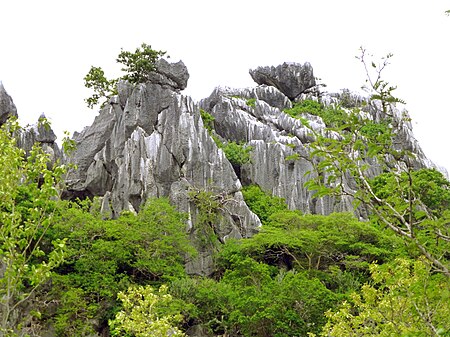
x,y
332,115
106,257
261,203
208,120
237,154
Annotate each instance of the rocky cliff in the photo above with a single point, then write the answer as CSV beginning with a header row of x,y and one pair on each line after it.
x,y
150,141
280,156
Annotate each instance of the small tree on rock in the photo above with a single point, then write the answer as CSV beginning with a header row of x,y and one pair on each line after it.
x,y
137,66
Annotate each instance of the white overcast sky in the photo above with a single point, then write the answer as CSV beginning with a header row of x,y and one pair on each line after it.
x,y
48,46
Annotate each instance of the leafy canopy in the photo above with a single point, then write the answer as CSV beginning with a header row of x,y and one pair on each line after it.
x,y
404,299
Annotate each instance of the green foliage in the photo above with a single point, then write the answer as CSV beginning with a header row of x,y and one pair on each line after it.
x,y
103,88
208,120
105,257
332,115
255,299
146,313
237,154
293,157
251,102
397,200
405,299
137,66
423,199
209,206
429,185
306,106
314,242
29,191
261,203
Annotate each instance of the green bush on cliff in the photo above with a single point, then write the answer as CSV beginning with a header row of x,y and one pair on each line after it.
x,y
332,115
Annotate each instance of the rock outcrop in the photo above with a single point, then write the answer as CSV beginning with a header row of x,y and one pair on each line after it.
x,y
150,141
26,137
41,133
7,106
280,155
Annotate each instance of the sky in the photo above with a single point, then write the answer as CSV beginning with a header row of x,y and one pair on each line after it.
x,y
48,46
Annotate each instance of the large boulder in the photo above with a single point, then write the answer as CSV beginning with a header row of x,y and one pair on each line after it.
x,y
172,76
7,107
292,79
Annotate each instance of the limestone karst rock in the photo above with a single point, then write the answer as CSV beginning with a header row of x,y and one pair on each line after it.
x,y
150,142
280,157
292,79
29,135
275,137
7,106
42,134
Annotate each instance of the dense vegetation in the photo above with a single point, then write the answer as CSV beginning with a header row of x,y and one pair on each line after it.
x,y
66,269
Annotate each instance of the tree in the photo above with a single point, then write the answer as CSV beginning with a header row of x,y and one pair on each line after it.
x,y
369,140
404,299
138,67
105,257
146,313
29,190
140,64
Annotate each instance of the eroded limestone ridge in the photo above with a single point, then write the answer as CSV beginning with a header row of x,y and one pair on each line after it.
x,y
150,141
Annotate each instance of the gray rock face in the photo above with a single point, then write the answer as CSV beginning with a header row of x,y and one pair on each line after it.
x,y
280,155
44,135
292,79
150,142
28,136
7,107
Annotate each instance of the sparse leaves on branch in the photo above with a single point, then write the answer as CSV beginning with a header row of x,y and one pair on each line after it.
x,y
346,157
103,88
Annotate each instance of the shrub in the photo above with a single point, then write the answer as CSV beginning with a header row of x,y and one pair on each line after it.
x,y
262,203
237,154
208,120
